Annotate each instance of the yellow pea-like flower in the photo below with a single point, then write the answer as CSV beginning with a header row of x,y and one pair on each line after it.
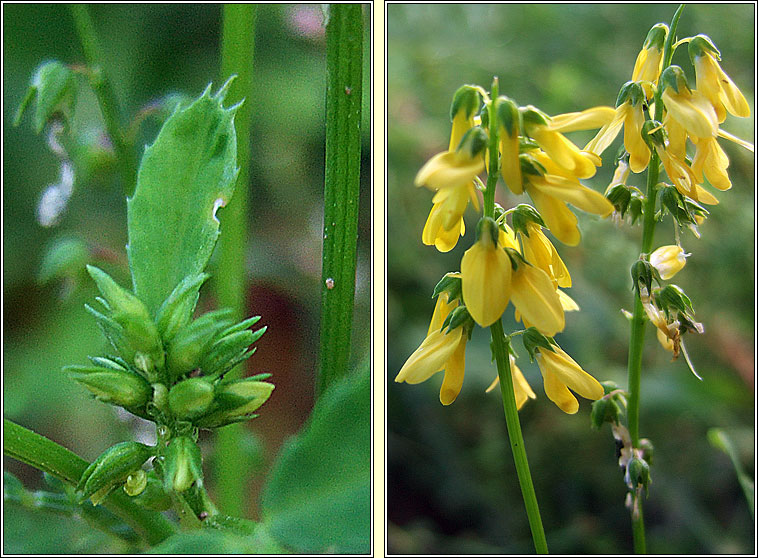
x,y
445,222
561,372
711,161
713,82
521,388
455,169
668,260
535,297
539,251
647,66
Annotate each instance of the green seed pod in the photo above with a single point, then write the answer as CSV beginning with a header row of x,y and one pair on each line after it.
x,y
190,398
642,277
112,467
153,497
183,465
132,315
191,342
117,387
235,401
176,310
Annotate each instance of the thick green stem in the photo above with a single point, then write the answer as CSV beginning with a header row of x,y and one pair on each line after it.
x,y
500,344
106,97
47,456
237,50
637,339
344,67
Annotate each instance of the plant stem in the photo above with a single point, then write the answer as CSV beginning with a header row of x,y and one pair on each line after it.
x,y
500,344
344,67
106,97
501,349
637,336
237,50
45,455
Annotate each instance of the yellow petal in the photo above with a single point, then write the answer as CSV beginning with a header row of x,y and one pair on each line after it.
x,y
570,373
430,357
692,111
607,133
510,164
563,152
575,193
668,260
434,234
534,296
486,282
556,391
441,310
647,67
557,216
461,125
639,154
454,371
449,169
589,119
521,388
568,303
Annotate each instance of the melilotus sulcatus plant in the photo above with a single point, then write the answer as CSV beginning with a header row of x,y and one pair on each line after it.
x,y
671,138
171,358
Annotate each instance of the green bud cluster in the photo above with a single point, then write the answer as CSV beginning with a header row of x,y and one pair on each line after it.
x,y
609,408
170,368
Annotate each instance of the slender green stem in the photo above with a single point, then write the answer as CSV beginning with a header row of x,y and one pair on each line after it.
x,y
106,97
344,68
237,49
45,455
637,335
501,344
501,349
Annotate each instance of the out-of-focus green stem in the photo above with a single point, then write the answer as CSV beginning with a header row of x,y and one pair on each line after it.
x,y
45,455
237,48
637,336
344,68
106,97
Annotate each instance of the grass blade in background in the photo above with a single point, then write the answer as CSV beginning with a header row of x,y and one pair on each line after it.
x,y
344,44
237,50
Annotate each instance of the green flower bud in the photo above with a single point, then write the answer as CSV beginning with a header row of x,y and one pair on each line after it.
x,y
191,342
153,496
176,310
117,387
635,208
235,401
132,315
647,449
190,398
135,483
639,473
55,87
642,277
230,350
620,196
466,100
111,468
183,465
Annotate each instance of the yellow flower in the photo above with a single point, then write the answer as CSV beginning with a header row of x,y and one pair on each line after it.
x,y
509,144
691,109
564,153
463,109
560,372
668,260
445,222
439,351
711,160
486,276
677,137
552,190
455,168
521,388
647,67
535,297
683,178
539,251
713,82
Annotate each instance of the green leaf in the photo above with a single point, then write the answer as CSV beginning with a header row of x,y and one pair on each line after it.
x,y
185,176
317,498
204,542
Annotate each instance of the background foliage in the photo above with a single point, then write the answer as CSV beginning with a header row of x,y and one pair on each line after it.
x,y
152,51
452,485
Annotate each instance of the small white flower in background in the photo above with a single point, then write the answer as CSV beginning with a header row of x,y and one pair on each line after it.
x,y
55,198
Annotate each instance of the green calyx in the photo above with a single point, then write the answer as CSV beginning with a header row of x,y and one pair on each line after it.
x,y
674,77
631,92
524,214
508,115
534,340
487,231
112,468
467,100
532,116
701,45
236,401
474,142
656,37
190,398
182,465
451,284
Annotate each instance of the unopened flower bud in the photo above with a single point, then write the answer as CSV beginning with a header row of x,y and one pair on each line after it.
x,y
236,401
642,278
639,473
190,398
111,468
176,310
191,342
117,387
55,87
136,482
668,260
183,464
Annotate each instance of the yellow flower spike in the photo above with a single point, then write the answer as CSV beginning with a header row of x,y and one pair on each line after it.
x,y
711,160
668,260
510,166
521,388
560,372
534,296
455,168
465,105
691,109
647,67
486,276
713,82
454,372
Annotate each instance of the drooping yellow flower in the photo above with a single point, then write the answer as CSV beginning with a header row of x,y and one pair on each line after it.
x,y
510,166
647,67
560,372
677,137
440,350
536,299
713,82
539,251
486,276
457,168
683,178
521,388
560,149
690,108
668,260
463,109
445,222
589,119
711,160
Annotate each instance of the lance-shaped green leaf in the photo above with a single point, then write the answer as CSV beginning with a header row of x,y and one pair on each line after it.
x,y
111,468
185,176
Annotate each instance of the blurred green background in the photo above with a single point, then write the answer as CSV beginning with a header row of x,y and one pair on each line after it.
x,y
451,482
152,51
